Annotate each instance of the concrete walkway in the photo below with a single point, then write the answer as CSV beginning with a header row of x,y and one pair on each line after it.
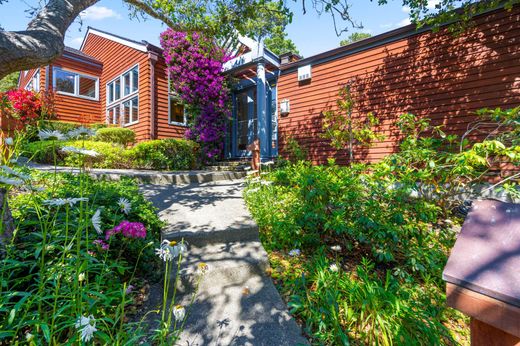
x,y
237,303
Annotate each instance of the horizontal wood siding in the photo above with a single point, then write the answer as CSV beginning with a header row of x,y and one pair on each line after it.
x,y
118,58
163,128
71,108
435,75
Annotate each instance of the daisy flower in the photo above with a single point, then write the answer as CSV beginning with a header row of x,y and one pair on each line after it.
x,y
179,312
11,171
333,267
80,132
51,134
164,254
336,248
87,327
10,181
75,150
125,205
96,221
57,202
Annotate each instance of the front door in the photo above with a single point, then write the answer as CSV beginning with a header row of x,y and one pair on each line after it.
x,y
245,122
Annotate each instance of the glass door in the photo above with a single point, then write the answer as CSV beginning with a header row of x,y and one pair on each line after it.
x,y
245,121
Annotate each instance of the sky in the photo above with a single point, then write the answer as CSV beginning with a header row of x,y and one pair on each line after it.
x,y
311,33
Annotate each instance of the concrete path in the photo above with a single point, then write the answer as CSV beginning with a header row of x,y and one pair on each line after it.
x,y
237,303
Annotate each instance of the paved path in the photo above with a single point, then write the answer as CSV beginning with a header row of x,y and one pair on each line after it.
x,y
237,304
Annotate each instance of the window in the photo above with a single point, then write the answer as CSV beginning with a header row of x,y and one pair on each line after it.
x,y
177,115
130,111
123,98
124,85
75,84
34,83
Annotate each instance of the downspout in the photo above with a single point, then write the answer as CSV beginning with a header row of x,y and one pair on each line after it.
x,y
152,58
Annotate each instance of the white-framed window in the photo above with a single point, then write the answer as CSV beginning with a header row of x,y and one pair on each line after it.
x,y
34,83
75,84
123,98
124,113
176,111
123,86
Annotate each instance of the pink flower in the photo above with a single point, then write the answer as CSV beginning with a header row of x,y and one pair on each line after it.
x,y
101,244
128,230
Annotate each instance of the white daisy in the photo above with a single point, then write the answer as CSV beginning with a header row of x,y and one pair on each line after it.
x,y
10,181
294,252
75,150
81,132
96,221
333,267
81,277
51,134
87,326
336,248
268,163
125,205
8,141
179,312
62,201
11,171
164,254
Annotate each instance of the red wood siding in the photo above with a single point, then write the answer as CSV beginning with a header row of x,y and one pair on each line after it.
x,y
118,58
435,75
163,128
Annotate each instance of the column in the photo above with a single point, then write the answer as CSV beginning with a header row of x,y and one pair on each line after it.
x,y
261,111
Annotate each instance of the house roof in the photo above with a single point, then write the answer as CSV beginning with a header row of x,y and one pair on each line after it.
x,y
72,51
142,46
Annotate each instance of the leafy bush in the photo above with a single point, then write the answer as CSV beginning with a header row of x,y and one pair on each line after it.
x,y
111,155
387,228
170,154
118,135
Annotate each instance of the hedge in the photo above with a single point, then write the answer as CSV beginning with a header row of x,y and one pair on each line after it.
x,y
166,154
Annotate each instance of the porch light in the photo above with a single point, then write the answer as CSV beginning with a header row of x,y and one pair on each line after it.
x,y
285,107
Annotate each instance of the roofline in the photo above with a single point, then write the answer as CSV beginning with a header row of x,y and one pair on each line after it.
x,y
140,46
78,57
368,43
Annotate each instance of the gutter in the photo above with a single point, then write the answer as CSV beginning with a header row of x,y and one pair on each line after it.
x,y
153,57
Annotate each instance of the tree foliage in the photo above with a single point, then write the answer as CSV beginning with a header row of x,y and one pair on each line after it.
x,y
354,37
9,82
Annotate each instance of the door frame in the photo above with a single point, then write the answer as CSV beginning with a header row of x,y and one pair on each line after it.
x,y
251,95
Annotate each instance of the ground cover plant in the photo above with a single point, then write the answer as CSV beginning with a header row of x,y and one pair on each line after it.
x,y
358,251
76,254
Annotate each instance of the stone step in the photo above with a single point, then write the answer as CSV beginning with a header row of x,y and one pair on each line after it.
x,y
153,177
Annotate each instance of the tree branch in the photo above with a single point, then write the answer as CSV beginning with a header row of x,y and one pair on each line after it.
x,y
42,41
149,10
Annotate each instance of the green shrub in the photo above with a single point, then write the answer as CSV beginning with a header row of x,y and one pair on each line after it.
x,y
170,154
111,155
118,135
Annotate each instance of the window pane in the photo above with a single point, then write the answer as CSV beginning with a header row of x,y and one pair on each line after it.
x,y
126,84
113,115
87,87
117,90
135,80
135,110
110,88
65,81
126,112
176,111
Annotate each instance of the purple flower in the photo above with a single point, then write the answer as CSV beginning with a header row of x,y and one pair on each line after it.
x,y
128,230
101,244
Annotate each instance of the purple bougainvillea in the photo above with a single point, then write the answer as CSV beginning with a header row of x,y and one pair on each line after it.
x,y
195,68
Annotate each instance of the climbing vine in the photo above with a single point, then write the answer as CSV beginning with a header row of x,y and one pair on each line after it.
x,y
195,67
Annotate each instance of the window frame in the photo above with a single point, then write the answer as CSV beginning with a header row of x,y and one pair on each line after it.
x,y
120,77
77,76
122,112
174,96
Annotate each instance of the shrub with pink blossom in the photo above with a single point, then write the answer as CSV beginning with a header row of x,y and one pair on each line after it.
x,y
195,67
128,230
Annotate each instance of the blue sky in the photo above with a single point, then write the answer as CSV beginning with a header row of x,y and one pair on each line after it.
x,y
311,33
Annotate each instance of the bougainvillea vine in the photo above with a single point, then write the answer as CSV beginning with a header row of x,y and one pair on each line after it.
x,y
195,68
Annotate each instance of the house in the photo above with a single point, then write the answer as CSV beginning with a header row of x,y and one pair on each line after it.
x,y
433,74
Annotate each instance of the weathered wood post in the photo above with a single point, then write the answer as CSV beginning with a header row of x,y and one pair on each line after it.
x,y
483,273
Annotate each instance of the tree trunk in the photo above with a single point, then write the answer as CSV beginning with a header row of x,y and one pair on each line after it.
x,y
7,226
